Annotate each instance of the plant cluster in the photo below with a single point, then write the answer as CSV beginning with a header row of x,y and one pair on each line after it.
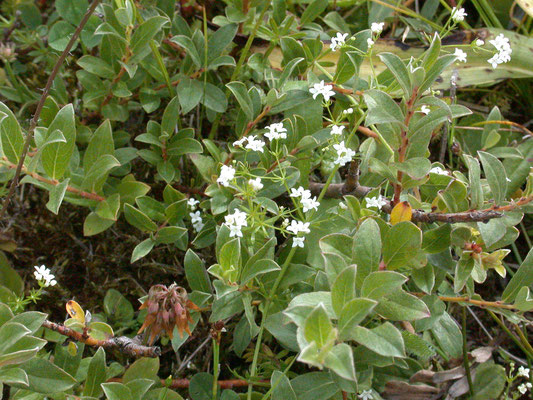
x,y
333,206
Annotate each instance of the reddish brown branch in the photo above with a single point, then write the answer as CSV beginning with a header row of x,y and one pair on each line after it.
x,y
39,108
123,344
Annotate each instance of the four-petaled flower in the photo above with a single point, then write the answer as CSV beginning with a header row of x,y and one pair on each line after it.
x,y
196,221
366,395
298,242
338,41
324,90
458,15
377,202
298,226
255,184
344,154
192,202
235,222
276,131
460,54
337,129
523,372
308,202
255,144
425,109
438,170
524,387
227,174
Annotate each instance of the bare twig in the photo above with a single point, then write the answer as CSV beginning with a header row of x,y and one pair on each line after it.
x,y
123,344
37,114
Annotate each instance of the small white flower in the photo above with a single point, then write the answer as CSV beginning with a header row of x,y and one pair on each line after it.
x,y
255,144
438,170
348,111
338,41
504,51
240,142
196,221
300,192
337,129
192,202
369,43
524,387
377,202
458,15
227,174
276,131
344,154
508,180
298,226
255,184
309,204
425,109
298,242
377,27
43,275
460,54
343,206
479,42
523,372
235,222
366,395
324,90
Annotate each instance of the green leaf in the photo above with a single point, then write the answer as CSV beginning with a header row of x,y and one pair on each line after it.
x,y
313,10
281,387
196,273
214,98
142,249
435,70
496,177
343,289
366,249
60,34
9,278
96,66
385,339
30,319
190,93
94,224
314,386
116,391
139,387
463,270
402,306
56,156
143,34
184,146
10,333
400,72
10,134
170,234
219,41
189,46
170,117
109,208
138,219
340,360
117,307
97,174
317,327
448,335
522,277
489,381
243,98
437,240
230,254
201,386
56,196
352,314
100,144
381,108
381,283
45,377
14,376
401,243
72,10
95,375
260,267
145,367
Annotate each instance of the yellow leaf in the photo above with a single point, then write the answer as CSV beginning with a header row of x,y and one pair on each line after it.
x,y
401,212
72,349
75,311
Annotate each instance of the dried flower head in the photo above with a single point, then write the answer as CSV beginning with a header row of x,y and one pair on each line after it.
x,y
167,307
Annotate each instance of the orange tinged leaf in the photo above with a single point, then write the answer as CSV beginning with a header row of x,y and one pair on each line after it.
x,y
401,212
75,311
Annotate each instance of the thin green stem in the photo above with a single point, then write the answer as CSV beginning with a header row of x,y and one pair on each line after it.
x,y
216,367
466,363
526,236
509,333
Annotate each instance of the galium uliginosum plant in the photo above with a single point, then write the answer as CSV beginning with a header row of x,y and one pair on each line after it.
x,y
328,210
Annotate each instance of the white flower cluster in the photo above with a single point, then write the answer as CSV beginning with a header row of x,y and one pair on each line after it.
x,y
460,55
524,387
322,89
196,221
376,28
227,174
43,275
255,184
276,131
337,129
308,202
253,143
504,51
297,227
458,15
235,222
377,202
338,41
366,395
344,154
